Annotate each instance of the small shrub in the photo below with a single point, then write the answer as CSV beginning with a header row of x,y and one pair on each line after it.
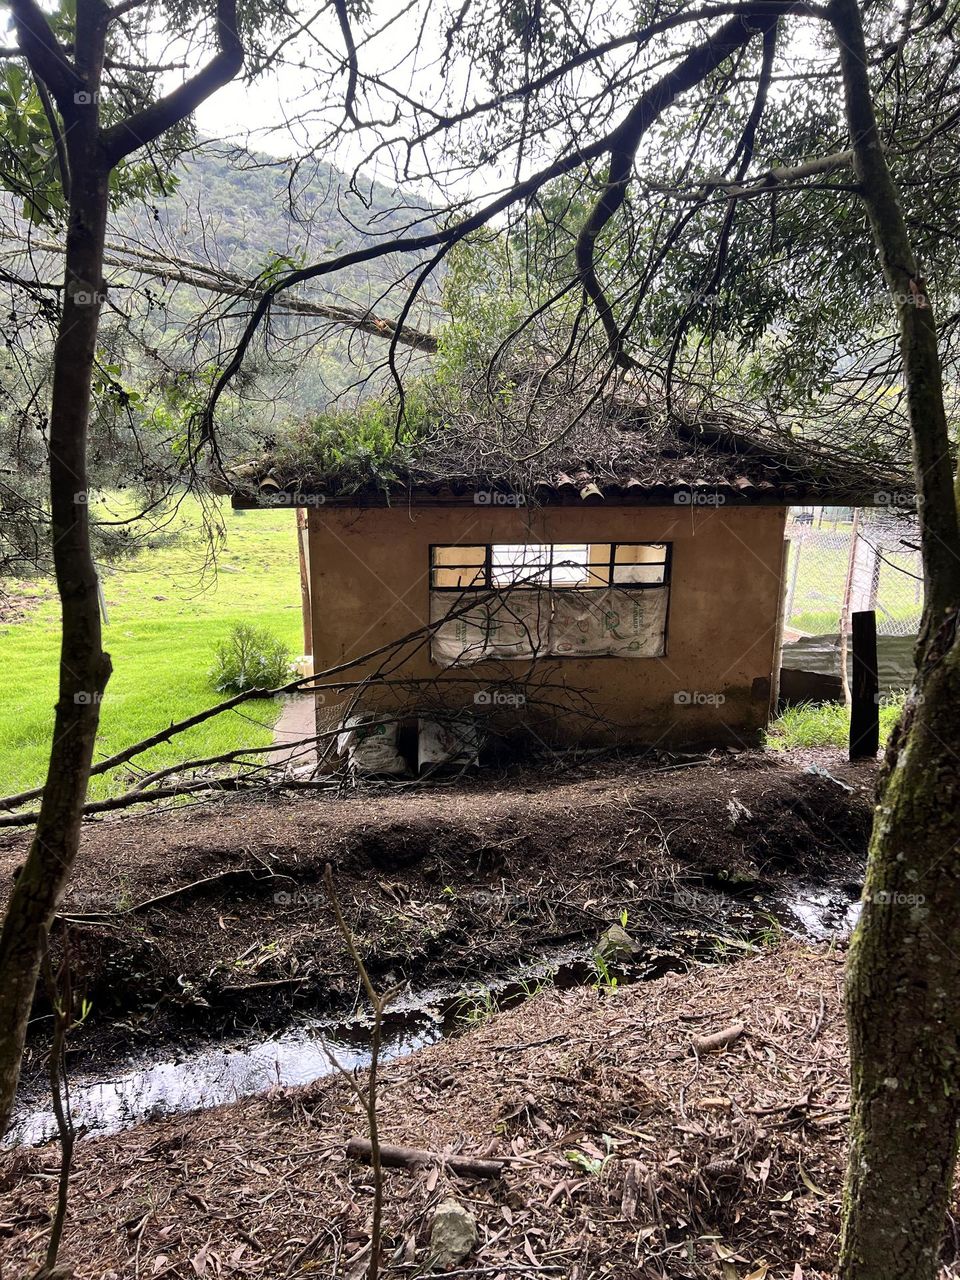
x,y
250,658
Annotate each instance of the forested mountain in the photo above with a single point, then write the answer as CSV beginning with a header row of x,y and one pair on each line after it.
x,y
242,209
246,215
173,272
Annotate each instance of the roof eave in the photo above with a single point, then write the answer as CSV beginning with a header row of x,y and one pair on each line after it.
x,y
766,495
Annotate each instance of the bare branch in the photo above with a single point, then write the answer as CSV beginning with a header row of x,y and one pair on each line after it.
x,y
145,126
63,160
210,279
693,69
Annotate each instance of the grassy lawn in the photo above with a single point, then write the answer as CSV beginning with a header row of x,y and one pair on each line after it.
x,y
166,616
826,725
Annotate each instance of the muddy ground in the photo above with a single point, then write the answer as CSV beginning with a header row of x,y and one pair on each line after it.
x,y
629,1156
192,923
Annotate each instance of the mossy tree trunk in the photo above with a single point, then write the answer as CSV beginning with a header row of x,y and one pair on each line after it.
x,y
903,975
903,996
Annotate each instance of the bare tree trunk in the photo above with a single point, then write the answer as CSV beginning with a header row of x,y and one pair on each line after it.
x,y
903,975
87,156
84,667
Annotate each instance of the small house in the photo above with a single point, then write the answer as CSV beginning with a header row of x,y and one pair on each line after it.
x,y
622,583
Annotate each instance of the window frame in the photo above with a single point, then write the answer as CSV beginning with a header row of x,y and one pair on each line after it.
x,y
487,584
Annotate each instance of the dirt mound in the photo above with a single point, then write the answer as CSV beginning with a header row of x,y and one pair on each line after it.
x,y
194,922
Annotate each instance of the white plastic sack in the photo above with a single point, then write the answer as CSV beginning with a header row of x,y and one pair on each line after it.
x,y
611,623
524,624
519,625
577,627
454,742
636,622
460,640
511,626
370,747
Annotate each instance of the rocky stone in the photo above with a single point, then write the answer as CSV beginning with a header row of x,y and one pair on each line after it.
x,y
616,945
453,1234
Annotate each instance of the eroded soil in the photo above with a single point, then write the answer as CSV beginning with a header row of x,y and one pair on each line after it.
x,y
628,1155
197,922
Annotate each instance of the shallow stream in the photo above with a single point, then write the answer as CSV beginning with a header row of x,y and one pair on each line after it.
x,y
315,1047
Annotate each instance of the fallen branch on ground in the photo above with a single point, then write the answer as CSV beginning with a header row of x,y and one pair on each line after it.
x,y
414,1158
719,1039
238,783
174,893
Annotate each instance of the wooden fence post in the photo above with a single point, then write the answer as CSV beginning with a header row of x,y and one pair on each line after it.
x,y
865,692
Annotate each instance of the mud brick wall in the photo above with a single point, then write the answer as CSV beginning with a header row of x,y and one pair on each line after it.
x,y
370,583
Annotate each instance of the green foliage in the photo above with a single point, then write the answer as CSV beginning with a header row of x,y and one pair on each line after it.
x,y
475,1007
250,658
826,724
606,981
28,163
485,302
28,158
360,447
357,447
771,932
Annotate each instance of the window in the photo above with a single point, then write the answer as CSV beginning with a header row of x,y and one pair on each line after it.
x,y
520,601
554,565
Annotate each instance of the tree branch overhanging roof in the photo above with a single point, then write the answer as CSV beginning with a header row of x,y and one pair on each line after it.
x,y
548,448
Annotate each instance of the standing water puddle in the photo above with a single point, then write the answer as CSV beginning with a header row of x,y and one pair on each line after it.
x,y
317,1047
212,1077
824,914
313,1049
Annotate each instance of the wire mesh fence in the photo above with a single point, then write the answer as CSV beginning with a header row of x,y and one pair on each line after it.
x,y
842,560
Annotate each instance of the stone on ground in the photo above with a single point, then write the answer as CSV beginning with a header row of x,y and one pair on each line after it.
x,y
452,1235
616,944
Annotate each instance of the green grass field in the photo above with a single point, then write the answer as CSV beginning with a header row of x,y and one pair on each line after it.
x,y
826,725
166,615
